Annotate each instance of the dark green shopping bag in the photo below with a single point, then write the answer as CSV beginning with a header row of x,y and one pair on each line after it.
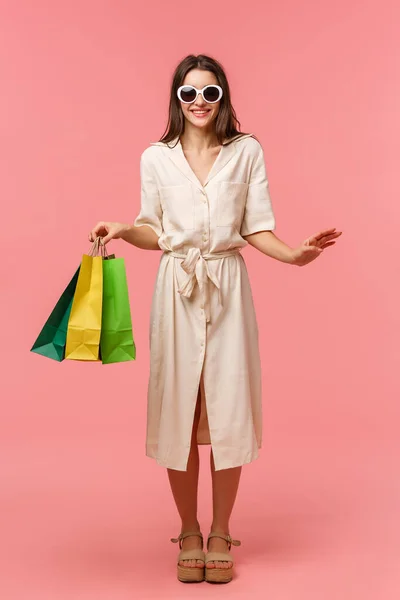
x,y
116,342
52,338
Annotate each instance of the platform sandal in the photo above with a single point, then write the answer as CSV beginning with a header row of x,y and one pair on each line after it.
x,y
189,574
217,574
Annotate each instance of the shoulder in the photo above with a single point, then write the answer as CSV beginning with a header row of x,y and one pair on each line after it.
x,y
249,144
157,149
150,154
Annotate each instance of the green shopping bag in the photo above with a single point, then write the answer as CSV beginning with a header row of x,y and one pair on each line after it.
x,y
116,342
51,340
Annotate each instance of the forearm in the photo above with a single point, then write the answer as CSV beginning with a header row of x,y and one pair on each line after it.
x,y
142,237
267,243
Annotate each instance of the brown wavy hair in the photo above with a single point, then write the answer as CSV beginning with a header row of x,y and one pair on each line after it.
x,y
226,123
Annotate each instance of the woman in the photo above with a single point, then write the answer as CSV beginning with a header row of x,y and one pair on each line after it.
x,y
204,196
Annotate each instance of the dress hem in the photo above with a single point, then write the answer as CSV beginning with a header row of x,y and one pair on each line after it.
x,y
236,463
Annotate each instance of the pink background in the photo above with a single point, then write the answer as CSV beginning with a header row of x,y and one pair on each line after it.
x,y
83,512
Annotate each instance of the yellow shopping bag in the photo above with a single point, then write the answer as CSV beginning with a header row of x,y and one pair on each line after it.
x,y
84,325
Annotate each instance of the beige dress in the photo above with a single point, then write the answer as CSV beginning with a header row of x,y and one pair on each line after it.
x,y
203,329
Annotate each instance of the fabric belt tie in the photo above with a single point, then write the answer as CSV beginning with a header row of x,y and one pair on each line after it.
x,y
196,268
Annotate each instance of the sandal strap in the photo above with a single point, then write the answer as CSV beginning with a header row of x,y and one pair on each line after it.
x,y
220,556
184,535
196,554
226,537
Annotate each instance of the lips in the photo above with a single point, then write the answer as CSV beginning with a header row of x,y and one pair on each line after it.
x,y
201,113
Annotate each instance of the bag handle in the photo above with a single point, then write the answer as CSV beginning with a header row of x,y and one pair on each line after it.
x,y
94,250
104,252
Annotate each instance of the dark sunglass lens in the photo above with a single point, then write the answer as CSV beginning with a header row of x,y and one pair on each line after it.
x,y
188,94
211,94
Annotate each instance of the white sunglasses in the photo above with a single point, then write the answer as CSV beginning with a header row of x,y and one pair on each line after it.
x,y
188,93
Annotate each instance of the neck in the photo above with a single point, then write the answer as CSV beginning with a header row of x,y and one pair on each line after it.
x,y
194,138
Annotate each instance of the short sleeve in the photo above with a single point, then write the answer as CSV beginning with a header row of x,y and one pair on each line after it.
x,y
150,211
258,214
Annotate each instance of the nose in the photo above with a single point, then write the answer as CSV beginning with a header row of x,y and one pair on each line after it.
x,y
199,100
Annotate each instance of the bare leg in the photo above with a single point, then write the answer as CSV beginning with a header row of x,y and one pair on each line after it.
x,y
184,485
225,483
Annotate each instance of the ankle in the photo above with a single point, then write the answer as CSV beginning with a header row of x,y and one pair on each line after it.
x,y
220,528
190,526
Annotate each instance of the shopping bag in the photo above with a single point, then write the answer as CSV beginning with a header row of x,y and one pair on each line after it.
x,y
51,340
84,325
116,342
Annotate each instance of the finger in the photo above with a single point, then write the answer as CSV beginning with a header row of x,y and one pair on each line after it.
x,y
317,237
100,225
328,244
331,237
327,231
323,233
107,238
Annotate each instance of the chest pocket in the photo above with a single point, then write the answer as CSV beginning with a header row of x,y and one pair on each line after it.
x,y
177,202
231,201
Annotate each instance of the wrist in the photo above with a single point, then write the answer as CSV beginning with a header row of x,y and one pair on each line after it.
x,y
125,231
291,257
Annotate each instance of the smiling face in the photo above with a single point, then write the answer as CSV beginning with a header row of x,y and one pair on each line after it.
x,y
200,113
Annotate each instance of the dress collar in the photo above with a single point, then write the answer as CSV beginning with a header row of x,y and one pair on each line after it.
x,y
176,154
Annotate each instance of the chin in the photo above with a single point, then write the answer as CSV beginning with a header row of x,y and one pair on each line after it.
x,y
201,125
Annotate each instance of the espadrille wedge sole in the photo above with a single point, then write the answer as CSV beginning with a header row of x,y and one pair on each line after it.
x,y
217,574
189,574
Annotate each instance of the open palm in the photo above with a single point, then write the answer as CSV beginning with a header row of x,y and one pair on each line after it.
x,y
313,246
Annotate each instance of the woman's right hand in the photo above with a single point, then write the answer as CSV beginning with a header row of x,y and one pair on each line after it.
x,y
107,230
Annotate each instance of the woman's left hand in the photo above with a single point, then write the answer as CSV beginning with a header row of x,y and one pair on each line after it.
x,y
313,246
